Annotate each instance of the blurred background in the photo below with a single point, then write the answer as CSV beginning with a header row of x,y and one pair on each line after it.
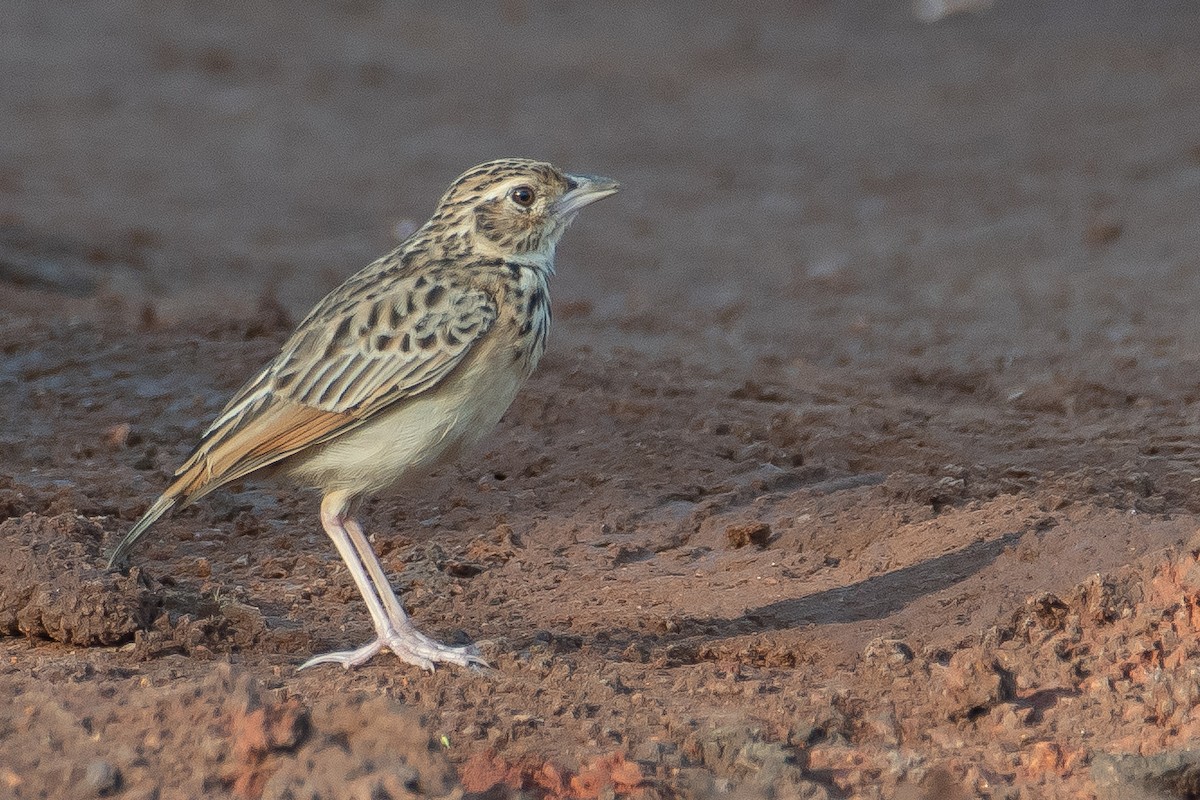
x,y
835,180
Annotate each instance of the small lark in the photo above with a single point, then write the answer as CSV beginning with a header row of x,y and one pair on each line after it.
x,y
398,370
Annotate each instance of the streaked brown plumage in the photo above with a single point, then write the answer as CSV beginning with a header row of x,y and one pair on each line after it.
x,y
399,369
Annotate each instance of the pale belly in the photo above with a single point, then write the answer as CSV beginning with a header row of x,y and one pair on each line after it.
x,y
417,435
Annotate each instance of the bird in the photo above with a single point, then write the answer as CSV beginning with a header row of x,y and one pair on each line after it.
x,y
397,371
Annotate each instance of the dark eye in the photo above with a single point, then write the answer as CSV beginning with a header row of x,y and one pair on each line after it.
x,y
523,196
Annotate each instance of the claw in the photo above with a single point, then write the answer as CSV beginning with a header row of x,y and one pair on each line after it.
x,y
347,658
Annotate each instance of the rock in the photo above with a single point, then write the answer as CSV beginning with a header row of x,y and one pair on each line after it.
x,y
102,778
973,683
1044,757
887,654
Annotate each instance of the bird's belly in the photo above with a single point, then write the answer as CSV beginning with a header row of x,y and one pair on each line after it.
x,y
418,434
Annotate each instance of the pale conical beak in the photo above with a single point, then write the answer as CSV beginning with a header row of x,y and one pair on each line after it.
x,y
585,190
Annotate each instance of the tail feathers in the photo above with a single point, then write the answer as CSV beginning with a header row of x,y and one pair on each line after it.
x,y
192,481
161,506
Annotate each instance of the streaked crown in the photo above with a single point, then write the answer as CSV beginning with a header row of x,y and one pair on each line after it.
x,y
515,207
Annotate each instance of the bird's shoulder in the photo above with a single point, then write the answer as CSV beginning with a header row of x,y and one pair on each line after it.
x,y
402,277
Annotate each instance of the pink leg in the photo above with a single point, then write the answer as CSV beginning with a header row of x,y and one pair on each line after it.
x,y
393,629
383,586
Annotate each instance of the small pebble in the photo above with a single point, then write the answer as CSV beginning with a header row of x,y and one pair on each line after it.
x,y
102,778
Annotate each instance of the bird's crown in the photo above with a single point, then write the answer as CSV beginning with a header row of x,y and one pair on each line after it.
x,y
514,207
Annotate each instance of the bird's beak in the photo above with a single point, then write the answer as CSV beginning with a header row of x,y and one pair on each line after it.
x,y
584,190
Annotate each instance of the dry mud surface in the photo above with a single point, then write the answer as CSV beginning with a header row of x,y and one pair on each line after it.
x,y
863,464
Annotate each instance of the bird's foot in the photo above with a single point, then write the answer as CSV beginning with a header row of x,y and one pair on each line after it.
x,y
410,646
347,658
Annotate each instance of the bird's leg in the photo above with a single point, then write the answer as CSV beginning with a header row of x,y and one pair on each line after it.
x,y
383,587
393,629
406,641
332,520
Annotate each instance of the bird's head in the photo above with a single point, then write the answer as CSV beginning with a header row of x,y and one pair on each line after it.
x,y
516,208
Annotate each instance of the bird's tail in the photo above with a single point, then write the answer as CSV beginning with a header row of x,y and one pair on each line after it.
x,y
162,505
192,481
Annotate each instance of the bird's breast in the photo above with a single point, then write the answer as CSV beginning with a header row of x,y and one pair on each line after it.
x,y
417,434
420,433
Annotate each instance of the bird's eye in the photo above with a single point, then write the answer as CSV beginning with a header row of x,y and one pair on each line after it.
x,y
523,196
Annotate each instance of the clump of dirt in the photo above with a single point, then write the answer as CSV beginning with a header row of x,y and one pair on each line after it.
x,y
206,627
756,533
53,584
358,747
225,736
486,771
1114,656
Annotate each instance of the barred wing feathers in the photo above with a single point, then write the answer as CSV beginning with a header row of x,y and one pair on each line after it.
x,y
331,377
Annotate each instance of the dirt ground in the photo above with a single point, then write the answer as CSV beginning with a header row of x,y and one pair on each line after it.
x,y
863,462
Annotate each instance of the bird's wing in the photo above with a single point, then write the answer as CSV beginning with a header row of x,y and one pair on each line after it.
x,y
352,357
